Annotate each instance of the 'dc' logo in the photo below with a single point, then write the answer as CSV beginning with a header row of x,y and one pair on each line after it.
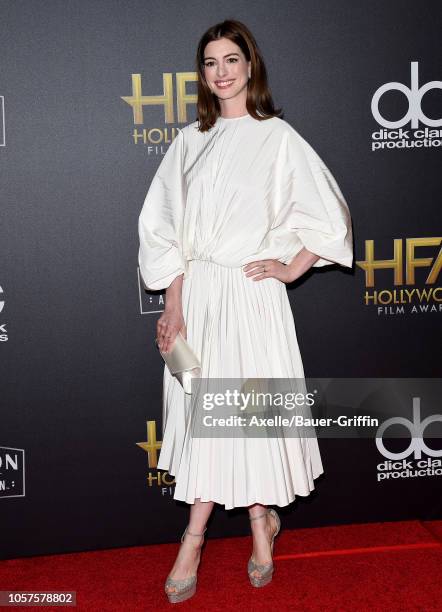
x,y
414,96
416,429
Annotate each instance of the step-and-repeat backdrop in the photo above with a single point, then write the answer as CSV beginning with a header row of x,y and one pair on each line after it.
x,y
91,95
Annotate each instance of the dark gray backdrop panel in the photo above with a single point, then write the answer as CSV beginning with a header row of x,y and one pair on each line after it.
x,y
81,376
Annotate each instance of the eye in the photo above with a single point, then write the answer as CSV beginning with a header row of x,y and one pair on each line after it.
x,y
209,63
234,59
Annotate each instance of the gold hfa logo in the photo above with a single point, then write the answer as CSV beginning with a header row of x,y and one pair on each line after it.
x,y
165,99
397,263
152,446
404,261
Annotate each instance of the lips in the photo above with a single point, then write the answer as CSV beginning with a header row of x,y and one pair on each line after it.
x,y
224,84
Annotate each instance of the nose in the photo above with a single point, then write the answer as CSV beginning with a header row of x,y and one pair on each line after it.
x,y
221,71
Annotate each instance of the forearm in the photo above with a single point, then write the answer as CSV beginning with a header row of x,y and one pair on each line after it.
x,y
174,294
302,262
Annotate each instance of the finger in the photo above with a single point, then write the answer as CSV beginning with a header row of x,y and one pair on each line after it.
x,y
162,339
251,265
258,265
261,276
161,327
169,340
169,336
256,270
159,341
261,272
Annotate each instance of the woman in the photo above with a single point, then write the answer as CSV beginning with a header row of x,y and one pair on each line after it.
x,y
240,205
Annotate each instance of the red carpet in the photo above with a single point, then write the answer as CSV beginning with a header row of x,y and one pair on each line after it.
x,y
376,566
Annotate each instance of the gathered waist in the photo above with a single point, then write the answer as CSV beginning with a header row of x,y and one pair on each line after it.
x,y
214,269
201,261
217,273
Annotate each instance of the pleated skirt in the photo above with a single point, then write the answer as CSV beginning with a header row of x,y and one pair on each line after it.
x,y
239,328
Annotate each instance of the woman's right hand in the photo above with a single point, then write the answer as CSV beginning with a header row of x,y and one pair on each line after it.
x,y
168,325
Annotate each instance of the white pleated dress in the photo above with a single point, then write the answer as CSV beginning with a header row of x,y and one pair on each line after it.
x,y
244,191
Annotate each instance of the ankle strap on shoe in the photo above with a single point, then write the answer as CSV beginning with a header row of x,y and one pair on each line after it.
x,y
253,518
192,534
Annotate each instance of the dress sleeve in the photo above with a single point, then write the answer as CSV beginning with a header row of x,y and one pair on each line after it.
x,y
313,205
160,221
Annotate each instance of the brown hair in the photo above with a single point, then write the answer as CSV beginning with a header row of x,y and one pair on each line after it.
x,y
259,98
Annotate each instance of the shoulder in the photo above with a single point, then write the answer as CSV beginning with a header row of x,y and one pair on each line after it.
x,y
282,132
285,129
189,130
183,135
277,127
293,143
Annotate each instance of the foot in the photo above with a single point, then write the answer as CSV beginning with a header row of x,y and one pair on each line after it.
x,y
187,561
263,530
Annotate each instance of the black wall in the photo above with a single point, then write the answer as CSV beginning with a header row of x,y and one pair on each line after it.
x,y
81,377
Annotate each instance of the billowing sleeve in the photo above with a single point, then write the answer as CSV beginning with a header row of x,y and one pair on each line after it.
x,y
160,221
313,209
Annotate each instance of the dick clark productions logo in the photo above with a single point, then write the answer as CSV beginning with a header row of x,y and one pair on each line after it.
x,y
398,464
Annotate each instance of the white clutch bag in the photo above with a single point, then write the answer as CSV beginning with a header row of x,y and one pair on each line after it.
x,y
182,363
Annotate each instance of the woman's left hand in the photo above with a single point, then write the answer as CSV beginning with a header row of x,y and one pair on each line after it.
x,y
269,268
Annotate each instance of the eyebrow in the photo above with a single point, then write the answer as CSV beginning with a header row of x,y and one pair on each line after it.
x,y
206,58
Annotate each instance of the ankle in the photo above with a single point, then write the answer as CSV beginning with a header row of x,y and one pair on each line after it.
x,y
195,532
194,544
259,523
193,538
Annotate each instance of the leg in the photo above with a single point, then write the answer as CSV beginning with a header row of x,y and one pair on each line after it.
x,y
187,561
263,529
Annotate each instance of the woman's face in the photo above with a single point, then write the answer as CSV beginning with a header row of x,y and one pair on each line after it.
x,y
225,68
